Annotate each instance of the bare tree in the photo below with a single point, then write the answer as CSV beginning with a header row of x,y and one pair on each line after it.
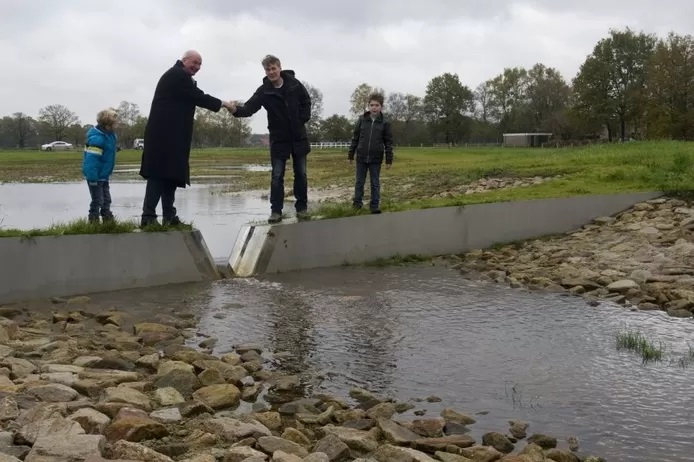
x,y
57,118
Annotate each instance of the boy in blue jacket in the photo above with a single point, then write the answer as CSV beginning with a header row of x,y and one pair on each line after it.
x,y
99,159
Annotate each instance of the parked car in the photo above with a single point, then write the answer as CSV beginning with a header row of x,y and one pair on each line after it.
x,y
56,146
139,143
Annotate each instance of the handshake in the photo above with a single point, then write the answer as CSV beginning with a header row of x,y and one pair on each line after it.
x,y
230,106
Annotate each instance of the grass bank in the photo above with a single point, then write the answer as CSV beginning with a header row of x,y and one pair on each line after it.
x,y
420,177
83,226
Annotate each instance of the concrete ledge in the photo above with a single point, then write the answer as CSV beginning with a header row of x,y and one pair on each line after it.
x,y
53,266
313,244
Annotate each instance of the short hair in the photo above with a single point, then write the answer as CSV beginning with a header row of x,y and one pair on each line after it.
x,y
376,97
107,117
269,60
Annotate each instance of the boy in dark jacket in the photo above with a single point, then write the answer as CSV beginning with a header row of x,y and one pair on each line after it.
x,y
372,139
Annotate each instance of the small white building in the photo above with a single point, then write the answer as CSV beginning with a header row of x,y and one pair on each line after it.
x,y
526,140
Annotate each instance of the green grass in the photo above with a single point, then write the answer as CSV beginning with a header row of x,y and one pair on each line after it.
x,y
421,175
83,226
635,341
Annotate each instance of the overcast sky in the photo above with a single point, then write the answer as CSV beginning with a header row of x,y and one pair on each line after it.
x,y
91,54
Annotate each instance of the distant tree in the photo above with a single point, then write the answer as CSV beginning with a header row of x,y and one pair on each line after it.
x,y
611,83
24,129
447,103
359,102
547,96
128,116
337,128
670,89
508,93
57,118
313,125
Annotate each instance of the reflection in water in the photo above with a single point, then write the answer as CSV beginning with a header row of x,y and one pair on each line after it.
x,y
218,216
414,332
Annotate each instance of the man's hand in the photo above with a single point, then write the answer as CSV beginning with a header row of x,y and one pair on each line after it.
x,y
230,106
388,166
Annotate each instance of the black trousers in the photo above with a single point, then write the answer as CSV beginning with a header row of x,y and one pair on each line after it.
x,y
159,189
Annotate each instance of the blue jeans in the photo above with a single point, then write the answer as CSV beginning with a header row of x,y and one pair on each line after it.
x,y
374,170
100,204
300,184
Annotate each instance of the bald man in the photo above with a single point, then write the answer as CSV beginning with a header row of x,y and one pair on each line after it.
x,y
168,136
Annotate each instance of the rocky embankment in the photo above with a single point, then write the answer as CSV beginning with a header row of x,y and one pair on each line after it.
x,y
78,385
643,257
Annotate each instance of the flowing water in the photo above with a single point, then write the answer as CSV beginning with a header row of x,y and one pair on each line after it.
x,y
420,331
506,354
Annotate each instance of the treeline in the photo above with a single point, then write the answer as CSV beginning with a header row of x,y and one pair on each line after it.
x,y
633,85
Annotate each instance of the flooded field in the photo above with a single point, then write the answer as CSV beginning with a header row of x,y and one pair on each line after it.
x,y
420,331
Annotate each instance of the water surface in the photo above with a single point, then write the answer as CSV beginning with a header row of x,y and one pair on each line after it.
x,y
218,216
415,332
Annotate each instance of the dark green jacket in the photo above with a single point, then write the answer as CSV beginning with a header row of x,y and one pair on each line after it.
x,y
373,138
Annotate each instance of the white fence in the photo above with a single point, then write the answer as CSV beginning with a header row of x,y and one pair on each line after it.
x,y
331,145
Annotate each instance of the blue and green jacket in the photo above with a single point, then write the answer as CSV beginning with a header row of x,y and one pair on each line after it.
x,y
99,154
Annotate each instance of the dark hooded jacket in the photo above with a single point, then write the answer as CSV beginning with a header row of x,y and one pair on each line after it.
x,y
372,139
288,109
169,130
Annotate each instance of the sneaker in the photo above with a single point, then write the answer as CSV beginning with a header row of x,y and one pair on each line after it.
x,y
303,215
108,218
357,206
275,217
376,211
94,220
175,221
144,222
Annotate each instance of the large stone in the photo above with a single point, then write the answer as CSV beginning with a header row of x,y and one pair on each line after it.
x,y
395,433
356,439
389,453
622,286
272,443
53,393
58,426
498,441
70,448
134,425
186,382
242,453
481,453
333,448
440,444
127,396
135,451
91,420
449,415
168,396
9,410
232,430
218,396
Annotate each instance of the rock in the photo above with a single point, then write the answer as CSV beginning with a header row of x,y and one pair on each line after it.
x,y
441,444
272,443
287,383
389,453
165,367
381,411
169,415
448,457
191,409
360,424
53,393
334,449
361,395
428,428
127,396
318,457
498,441
231,358
168,396
218,396
271,420
544,441
481,453
70,447
58,426
91,420
449,415
396,434
518,429
134,425
210,377
295,436
185,381
572,441
232,430
358,440
9,410
242,453
562,455
622,286
281,456
135,451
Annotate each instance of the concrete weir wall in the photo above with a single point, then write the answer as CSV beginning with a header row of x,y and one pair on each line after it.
x,y
53,266
284,247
